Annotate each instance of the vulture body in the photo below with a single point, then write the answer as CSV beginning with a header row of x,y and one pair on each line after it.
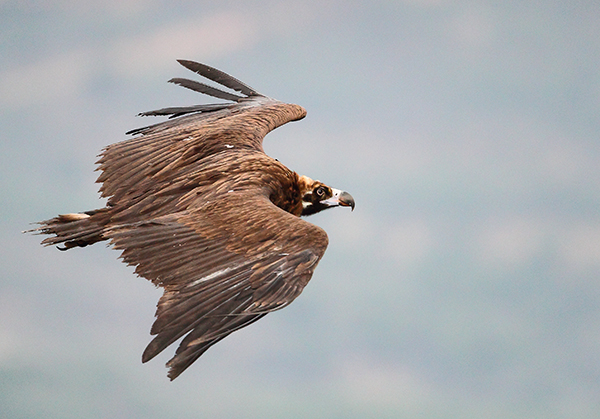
x,y
200,210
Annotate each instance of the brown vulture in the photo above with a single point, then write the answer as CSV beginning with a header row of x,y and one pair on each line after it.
x,y
200,210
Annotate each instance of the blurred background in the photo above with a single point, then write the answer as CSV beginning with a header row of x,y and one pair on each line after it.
x,y
464,285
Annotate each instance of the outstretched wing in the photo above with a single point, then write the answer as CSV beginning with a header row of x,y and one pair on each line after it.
x,y
223,263
135,166
186,215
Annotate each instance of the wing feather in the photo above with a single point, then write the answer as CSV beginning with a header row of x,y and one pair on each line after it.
x,y
206,89
176,111
214,280
219,76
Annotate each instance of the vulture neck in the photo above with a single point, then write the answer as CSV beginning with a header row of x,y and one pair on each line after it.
x,y
287,195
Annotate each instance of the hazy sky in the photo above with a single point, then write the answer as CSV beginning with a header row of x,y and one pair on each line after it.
x,y
464,285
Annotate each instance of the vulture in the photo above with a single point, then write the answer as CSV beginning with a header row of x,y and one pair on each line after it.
x,y
200,210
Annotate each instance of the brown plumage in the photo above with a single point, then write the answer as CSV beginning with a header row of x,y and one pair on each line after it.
x,y
201,211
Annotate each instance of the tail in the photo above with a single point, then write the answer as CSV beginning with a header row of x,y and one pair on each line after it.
x,y
74,230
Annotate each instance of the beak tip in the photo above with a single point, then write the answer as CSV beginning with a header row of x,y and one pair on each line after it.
x,y
346,200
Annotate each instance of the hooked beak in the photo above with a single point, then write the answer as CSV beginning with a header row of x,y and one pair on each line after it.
x,y
340,198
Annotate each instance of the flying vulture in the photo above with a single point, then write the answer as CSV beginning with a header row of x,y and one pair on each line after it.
x,y
200,210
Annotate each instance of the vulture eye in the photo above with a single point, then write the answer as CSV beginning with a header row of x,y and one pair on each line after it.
x,y
320,191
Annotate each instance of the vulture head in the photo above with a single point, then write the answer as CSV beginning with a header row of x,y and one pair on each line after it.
x,y
316,196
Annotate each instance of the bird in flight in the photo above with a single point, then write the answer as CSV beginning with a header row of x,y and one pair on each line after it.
x,y
199,209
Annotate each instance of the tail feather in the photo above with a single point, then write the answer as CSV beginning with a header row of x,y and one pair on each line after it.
x,y
72,230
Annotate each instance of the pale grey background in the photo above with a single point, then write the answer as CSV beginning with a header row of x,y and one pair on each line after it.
x,y
464,285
